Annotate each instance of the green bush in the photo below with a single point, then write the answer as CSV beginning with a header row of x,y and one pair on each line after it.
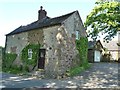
x,y
13,70
9,59
7,64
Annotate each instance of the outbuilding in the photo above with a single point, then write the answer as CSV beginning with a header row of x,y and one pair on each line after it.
x,y
95,49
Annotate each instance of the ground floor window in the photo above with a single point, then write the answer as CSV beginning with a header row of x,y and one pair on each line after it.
x,y
30,53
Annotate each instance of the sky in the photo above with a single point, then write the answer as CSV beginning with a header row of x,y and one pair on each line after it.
x,y
14,13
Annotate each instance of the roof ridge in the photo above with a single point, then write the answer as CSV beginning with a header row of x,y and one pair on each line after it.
x,y
65,14
41,24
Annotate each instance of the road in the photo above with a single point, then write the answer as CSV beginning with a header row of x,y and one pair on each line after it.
x,y
100,75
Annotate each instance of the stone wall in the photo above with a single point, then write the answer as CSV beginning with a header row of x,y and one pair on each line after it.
x,y
60,45
52,51
36,36
79,24
67,49
67,45
15,44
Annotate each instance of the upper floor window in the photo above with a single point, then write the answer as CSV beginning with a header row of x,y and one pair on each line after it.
x,y
77,34
30,53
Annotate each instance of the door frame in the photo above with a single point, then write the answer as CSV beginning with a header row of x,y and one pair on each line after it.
x,y
96,51
41,58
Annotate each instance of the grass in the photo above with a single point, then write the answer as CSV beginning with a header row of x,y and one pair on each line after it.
x,y
14,71
78,69
10,70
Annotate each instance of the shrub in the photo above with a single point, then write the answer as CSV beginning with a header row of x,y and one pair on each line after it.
x,y
9,59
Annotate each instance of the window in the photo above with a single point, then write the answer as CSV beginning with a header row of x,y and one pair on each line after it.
x,y
77,34
30,53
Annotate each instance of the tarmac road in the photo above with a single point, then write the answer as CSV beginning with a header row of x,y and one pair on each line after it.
x,y
100,75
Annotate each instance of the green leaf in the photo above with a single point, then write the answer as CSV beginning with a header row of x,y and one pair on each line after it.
x,y
105,18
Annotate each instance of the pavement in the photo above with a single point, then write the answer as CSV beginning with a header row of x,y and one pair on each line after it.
x,y
100,75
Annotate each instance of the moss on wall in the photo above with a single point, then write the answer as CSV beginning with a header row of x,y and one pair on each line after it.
x,y
24,57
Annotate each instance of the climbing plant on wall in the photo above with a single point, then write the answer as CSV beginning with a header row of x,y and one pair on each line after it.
x,y
82,47
35,51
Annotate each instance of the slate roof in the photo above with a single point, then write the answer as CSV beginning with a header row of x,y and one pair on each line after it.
x,y
91,44
46,22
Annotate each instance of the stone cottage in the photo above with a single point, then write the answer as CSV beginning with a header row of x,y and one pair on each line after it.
x,y
57,38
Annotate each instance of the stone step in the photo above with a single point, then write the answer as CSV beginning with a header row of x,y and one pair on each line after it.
x,y
39,73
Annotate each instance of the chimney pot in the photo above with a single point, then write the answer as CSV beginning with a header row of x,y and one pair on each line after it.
x,y
41,13
41,7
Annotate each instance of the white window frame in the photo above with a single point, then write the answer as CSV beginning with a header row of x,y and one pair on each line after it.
x,y
77,33
30,53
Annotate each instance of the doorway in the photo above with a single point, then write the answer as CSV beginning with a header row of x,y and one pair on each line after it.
x,y
97,56
41,60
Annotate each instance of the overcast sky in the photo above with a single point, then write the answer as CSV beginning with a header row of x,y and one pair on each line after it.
x,y
14,13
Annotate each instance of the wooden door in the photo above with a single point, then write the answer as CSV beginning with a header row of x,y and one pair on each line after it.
x,y
41,61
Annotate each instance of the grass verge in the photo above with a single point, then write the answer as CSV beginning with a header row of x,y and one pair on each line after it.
x,y
78,69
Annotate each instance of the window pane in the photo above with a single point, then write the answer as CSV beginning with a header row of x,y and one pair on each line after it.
x,y
29,50
77,34
29,53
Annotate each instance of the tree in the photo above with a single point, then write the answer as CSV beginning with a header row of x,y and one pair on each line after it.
x,y
104,20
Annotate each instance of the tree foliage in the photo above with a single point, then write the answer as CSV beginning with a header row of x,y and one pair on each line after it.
x,y
104,19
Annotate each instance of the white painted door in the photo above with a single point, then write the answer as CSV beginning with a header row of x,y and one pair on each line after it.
x,y
97,56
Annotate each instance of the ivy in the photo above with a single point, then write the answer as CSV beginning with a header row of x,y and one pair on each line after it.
x,y
82,47
35,52
10,57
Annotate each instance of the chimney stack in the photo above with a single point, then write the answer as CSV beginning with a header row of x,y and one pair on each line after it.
x,y
41,13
